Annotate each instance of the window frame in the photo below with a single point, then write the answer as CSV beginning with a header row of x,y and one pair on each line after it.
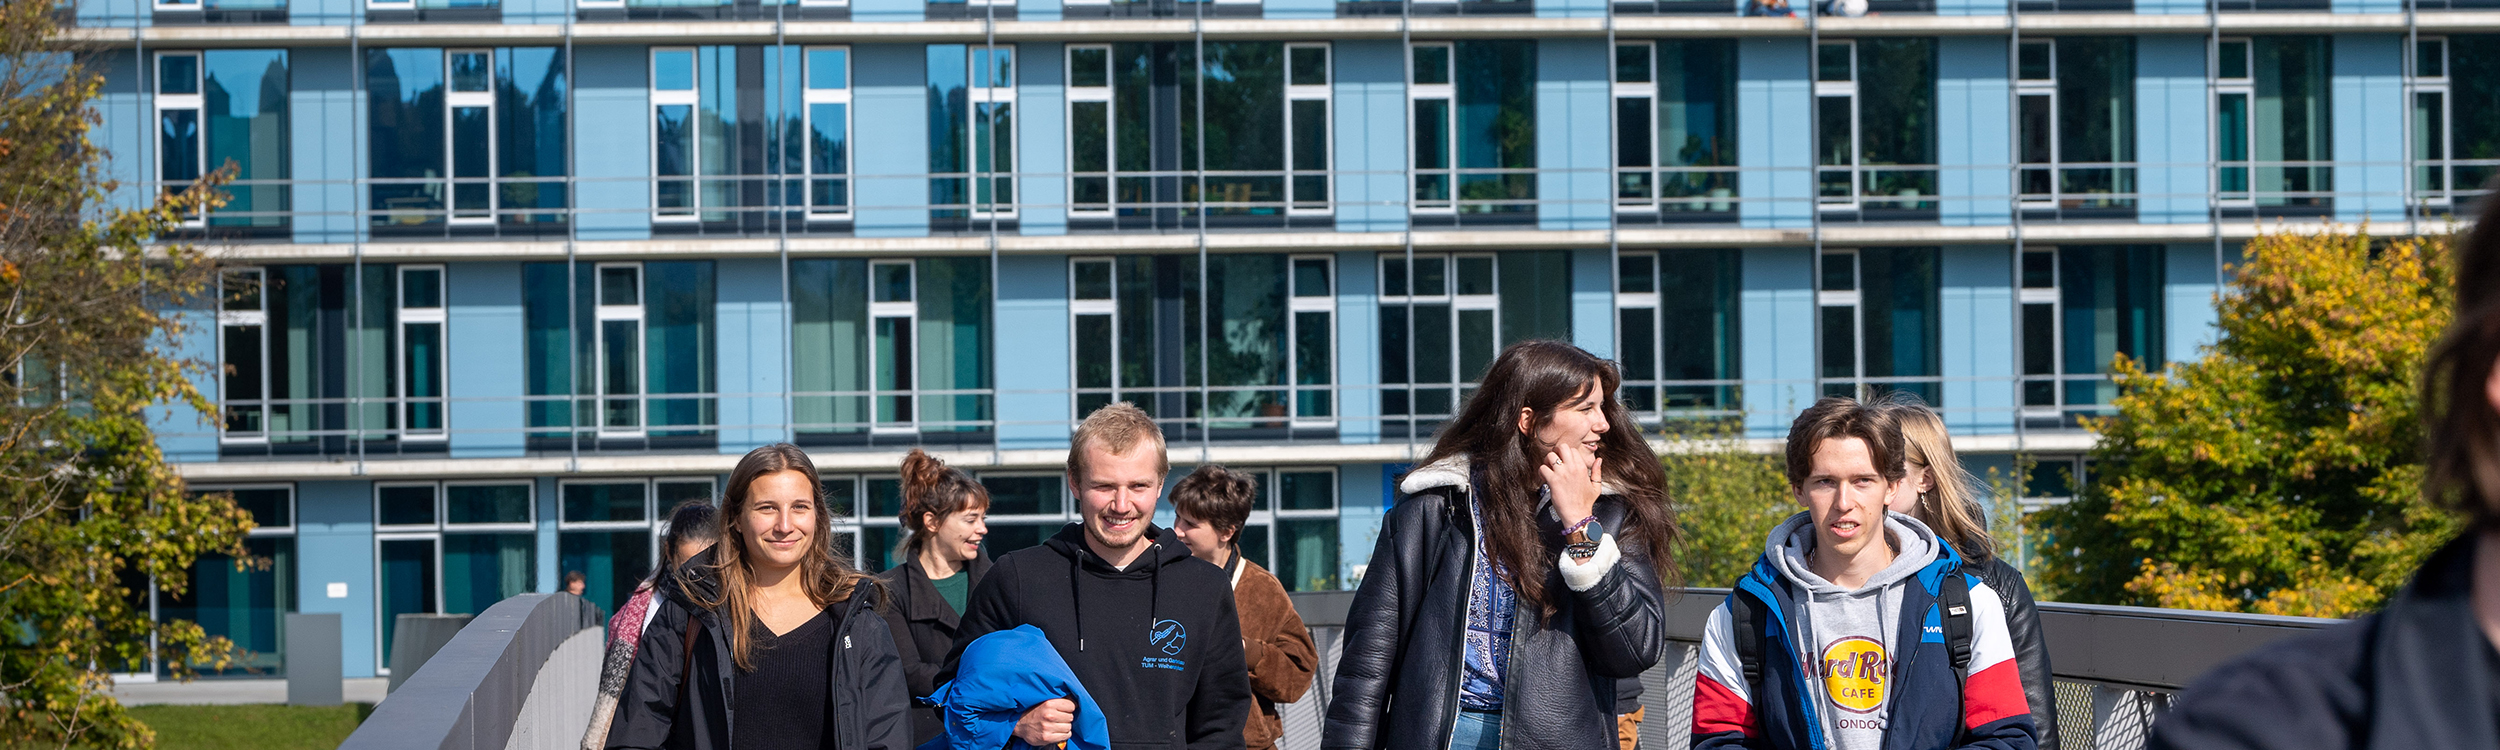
x,y
1855,165
976,95
1105,95
438,316
602,314
2440,159
2245,88
1296,305
1646,91
155,603
1852,298
2053,298
1324,93
2030,88
229,319
691,98
1108,307
1447,93
809,97
1489,302
455,100
194,102
907,375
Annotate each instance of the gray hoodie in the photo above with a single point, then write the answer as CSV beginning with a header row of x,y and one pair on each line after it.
x,y
1851,631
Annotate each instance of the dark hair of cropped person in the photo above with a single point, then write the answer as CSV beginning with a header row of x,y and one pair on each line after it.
x,y
689,521
1218,497
931,489
827,577
2460,429
1834,417
1543,377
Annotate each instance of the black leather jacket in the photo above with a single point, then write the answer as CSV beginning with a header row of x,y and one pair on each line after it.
x,y
1397,684
2031,649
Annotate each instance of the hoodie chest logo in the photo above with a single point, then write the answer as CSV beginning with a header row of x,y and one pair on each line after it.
x,y
1855,671
1169,636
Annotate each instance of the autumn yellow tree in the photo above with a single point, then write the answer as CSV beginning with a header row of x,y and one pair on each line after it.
x,y
2280,472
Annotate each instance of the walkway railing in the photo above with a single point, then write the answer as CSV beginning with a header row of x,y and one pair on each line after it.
x,y
522,675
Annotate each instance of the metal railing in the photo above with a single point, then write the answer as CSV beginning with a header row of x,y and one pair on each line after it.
x,y
2117,668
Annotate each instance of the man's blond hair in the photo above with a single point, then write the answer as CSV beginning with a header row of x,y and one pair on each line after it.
x,y
1117,427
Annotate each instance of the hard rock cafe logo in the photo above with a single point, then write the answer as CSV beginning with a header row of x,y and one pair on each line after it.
x,y
1854,672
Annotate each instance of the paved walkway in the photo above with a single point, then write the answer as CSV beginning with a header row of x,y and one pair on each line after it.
x,y
231,692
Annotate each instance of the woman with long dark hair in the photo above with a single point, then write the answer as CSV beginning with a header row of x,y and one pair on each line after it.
x,y
1518,577
692,527
946,513
770,627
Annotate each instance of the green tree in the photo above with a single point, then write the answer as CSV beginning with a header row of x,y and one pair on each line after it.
x,y
2280,472
1727,499
88,505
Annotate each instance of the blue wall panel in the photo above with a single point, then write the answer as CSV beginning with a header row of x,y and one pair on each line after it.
x,y
1775,136
1371,136
324,12
1593,300
1037,10
888,11
2190,279
1570,9
182,432
483,345
2173,114
1298,9
1977,338
893,120
125,132
1359,510
1033,352
1776,326
114,13
612,142
2369,129
1358,347
1970,8
325,104
2371,6
334,544
1973,116
549,545
753,358
1043,128
1574,134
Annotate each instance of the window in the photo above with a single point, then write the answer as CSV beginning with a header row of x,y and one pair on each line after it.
x,y
298,373
227,106
422,368
1685,163
1292,528
1241,342
1025,509
2077,110
1262,141
631,344
1879,325
1875,103
1443,318
2432,174
2273,133
2082,308
828,128
450,547
610,530
465,137
244,600
972,131
1677,338
1475,126
894,347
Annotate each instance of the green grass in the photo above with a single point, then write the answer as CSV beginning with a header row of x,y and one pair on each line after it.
x,y
252,727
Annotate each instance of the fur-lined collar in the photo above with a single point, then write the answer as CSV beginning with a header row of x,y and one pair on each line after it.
x,y
1453,471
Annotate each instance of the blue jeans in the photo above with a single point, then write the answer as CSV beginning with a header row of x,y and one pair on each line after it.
x,y
1477,731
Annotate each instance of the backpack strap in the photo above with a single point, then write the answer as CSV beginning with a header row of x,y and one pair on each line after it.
x,y
685,672
1953,598
1745,628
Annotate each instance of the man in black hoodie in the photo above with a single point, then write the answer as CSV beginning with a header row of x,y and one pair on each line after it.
x,y
1149,630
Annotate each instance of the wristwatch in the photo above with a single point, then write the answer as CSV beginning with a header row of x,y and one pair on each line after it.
x,y
1581,543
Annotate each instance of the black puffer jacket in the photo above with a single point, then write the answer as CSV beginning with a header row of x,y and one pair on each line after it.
x,y
867,694
2031,649
1398,682
920,615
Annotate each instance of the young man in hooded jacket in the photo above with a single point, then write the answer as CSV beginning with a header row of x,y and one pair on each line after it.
x,y
1148,629
1847,634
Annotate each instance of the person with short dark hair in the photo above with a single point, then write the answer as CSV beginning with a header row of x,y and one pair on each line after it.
x,y
1148,630
946,514
1517,578
1209,508
2424,671
1857,630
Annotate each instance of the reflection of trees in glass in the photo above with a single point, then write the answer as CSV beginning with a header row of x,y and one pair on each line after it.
x,y
2291,118
1496,91
1245,335
1896,113
2475,122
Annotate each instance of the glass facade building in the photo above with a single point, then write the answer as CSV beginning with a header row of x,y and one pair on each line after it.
x,y
508,279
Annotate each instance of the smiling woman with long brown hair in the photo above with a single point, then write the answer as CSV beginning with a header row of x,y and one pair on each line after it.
x,y
1534,534
769,626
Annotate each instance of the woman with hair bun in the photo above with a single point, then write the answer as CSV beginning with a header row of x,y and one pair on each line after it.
x,y
946,513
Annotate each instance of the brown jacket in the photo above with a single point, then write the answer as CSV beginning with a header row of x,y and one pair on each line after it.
x,y
1276,646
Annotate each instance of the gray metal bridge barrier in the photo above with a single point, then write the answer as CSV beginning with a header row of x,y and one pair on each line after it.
x,y
521,675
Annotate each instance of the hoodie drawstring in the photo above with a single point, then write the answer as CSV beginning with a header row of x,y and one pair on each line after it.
x,y
1076,588
1076,595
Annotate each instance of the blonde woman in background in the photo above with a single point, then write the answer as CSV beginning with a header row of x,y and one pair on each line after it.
x,y
1938,492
